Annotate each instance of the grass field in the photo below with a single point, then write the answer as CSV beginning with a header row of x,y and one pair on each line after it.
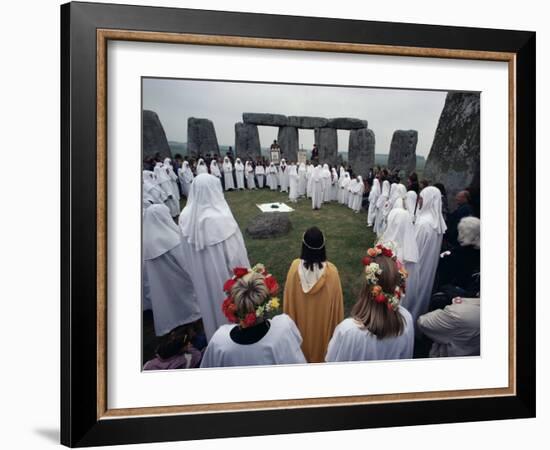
x,y
346,234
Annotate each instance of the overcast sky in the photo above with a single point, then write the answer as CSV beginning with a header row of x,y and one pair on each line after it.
x,y
223,102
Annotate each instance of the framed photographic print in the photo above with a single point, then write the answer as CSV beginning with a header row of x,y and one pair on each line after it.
x,y
217,282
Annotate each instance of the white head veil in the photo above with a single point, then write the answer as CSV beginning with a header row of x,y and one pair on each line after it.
x,y
345,181
160,233
397,198
431,209
227,166
334,175
302,167
214,169
400,231
375,191
239,164
206,219
186,172
410,203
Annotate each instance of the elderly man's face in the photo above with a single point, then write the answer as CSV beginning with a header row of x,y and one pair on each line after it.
x,y
461,198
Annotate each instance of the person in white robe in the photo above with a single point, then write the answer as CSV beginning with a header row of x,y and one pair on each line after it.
x,y
272,177
317,188
309,177
358,189
302,180
260,175
214,244
173,178
400,236
379,223
351,189
343,184
165,183
326,179
281,345
215,170
201,167
410,204
293,183
373,197
376,329
283,176
228,174
258,341
397,197
152,193
333,185
169,285
342,172
351,341
454,330
239,173
249,171
185,176
429,229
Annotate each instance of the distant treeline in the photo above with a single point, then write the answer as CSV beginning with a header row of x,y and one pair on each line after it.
x,y
380,159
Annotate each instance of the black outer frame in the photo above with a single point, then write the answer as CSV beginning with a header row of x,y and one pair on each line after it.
x,y
79,425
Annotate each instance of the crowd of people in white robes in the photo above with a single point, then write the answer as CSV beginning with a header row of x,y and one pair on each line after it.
x,y
185,266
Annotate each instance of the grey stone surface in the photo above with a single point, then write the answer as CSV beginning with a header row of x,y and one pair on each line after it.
x,y
274,120
201,137
327,143
247,141
403,150
154,137
346,123
269,225
361,151
454,157
287,138
307,122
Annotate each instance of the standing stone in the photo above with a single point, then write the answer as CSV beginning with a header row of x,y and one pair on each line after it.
x,y
347,123
247,142
454,157
327,143
201,138
361,151
154,137
287,138
403,150
274,120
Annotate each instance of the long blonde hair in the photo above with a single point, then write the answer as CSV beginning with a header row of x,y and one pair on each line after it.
x,y
377,317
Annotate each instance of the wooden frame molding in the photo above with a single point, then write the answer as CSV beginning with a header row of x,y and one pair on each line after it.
x,y
103,36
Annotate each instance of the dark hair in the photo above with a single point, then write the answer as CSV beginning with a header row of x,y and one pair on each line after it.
x,y
377,317
313,248
174,342
441,188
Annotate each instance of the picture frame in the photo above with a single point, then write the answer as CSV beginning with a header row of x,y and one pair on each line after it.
x,y
86,28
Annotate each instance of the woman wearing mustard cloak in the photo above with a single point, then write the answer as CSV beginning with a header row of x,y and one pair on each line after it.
x,y
313,296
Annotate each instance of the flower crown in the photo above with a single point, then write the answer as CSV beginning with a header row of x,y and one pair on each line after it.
x,y
373,270
270,304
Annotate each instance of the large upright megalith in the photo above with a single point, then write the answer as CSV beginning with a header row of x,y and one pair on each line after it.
x,y
287,139
361,151
247,141
454,157
154,137
201,137
403,150
327,143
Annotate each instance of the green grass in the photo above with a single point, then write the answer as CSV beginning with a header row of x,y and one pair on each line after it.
x,y
346,233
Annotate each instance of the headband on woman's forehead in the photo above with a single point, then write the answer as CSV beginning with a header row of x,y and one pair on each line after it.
x,y
309,246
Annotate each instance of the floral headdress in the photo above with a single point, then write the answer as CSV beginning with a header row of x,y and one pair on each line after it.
x,y
373,270
270,304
